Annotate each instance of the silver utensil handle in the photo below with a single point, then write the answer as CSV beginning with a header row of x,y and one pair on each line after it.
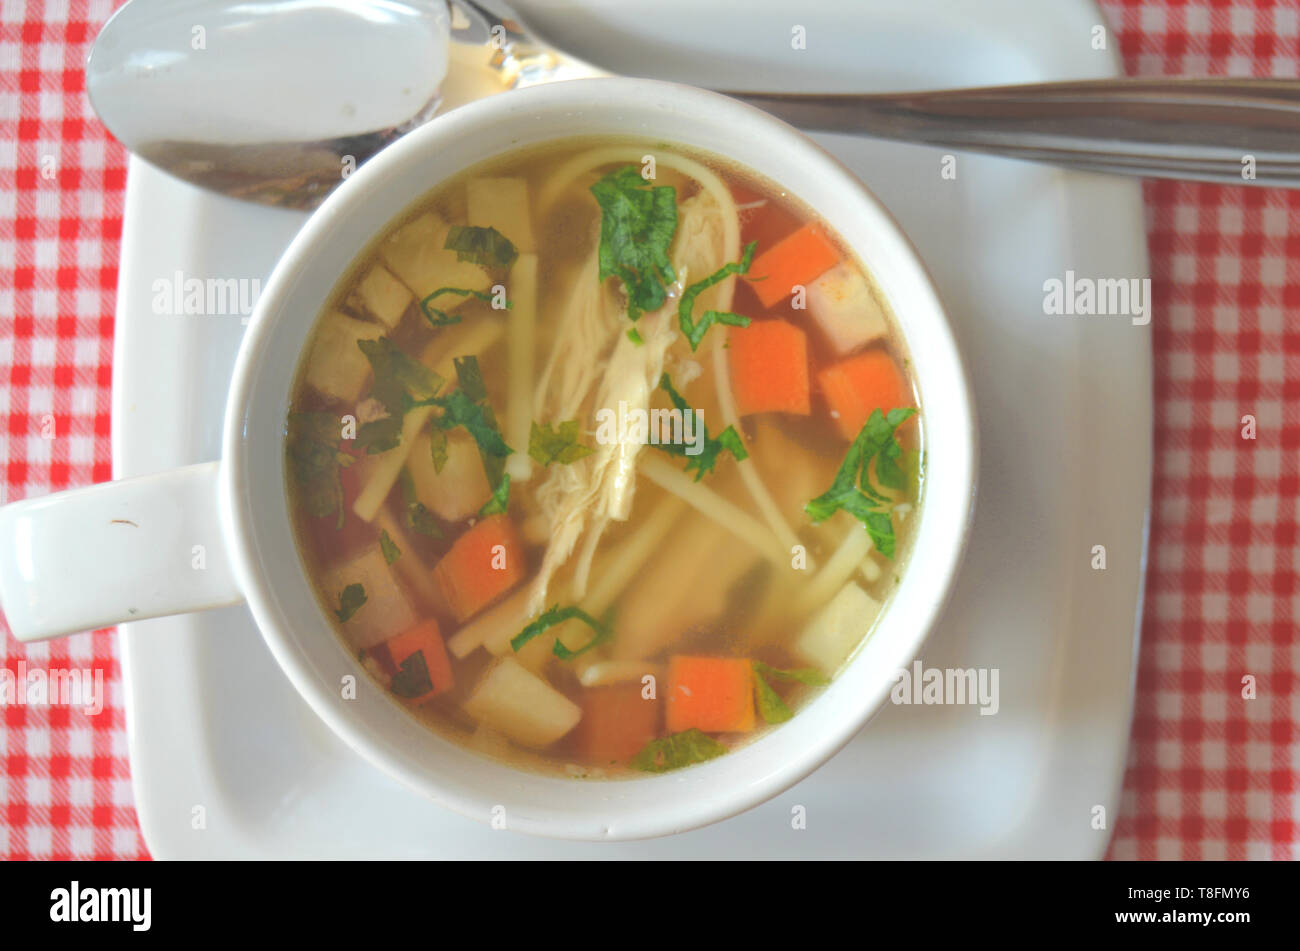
x,y
1215,130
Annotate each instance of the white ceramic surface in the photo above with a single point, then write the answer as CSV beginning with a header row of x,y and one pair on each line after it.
x,y
213,722
80,560
256,543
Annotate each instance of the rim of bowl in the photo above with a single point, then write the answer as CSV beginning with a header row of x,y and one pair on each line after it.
x,y
258,550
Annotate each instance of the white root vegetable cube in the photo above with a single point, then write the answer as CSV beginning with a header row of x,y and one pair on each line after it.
x,y
383,296
415,253
387,611
522,705
336,367
461,488
843,307
502,203
836,631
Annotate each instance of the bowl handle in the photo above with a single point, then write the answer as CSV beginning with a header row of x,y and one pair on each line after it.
x,y
119,551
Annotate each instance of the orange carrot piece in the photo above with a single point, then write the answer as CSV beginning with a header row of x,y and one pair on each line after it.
x,y
425,639
798,258
861,384
769,368
713,694
483,564
617,722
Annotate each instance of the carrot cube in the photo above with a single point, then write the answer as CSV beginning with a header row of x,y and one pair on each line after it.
x,y
799,258
617,722
713,694
415,652
483,564
855,387
769,368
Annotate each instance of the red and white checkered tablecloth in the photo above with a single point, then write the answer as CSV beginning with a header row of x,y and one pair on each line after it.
x,y
1211,774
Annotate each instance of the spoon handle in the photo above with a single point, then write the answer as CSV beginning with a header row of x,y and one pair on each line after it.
x,y
1231,131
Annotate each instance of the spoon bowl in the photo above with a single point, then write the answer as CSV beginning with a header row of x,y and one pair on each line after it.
x,y
273,102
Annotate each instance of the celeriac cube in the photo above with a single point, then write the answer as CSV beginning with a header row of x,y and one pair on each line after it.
x,y
502,203
522,705
836,631
415,253
842,305
461,488
386,612
336,367
383,296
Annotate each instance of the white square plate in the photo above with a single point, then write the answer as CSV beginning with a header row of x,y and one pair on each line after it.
x,y
1065,419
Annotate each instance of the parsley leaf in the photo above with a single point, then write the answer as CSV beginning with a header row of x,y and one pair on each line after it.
x,y
389,548
485,246
438,448
440,318
707,458
315,460
477,419
380,435
558,615
695,331
804,675
470,377
350,601
770,705
321,428
637,225
467,407
401,381
852,490
412,679
677,750
499,501
547,444
418,517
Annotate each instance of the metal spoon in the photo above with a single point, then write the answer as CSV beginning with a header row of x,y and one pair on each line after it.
x,y
271,102
277,102
1230,131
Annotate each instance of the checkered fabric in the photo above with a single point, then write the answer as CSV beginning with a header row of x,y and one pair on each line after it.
x,y
1214,764
65,782
1211,773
